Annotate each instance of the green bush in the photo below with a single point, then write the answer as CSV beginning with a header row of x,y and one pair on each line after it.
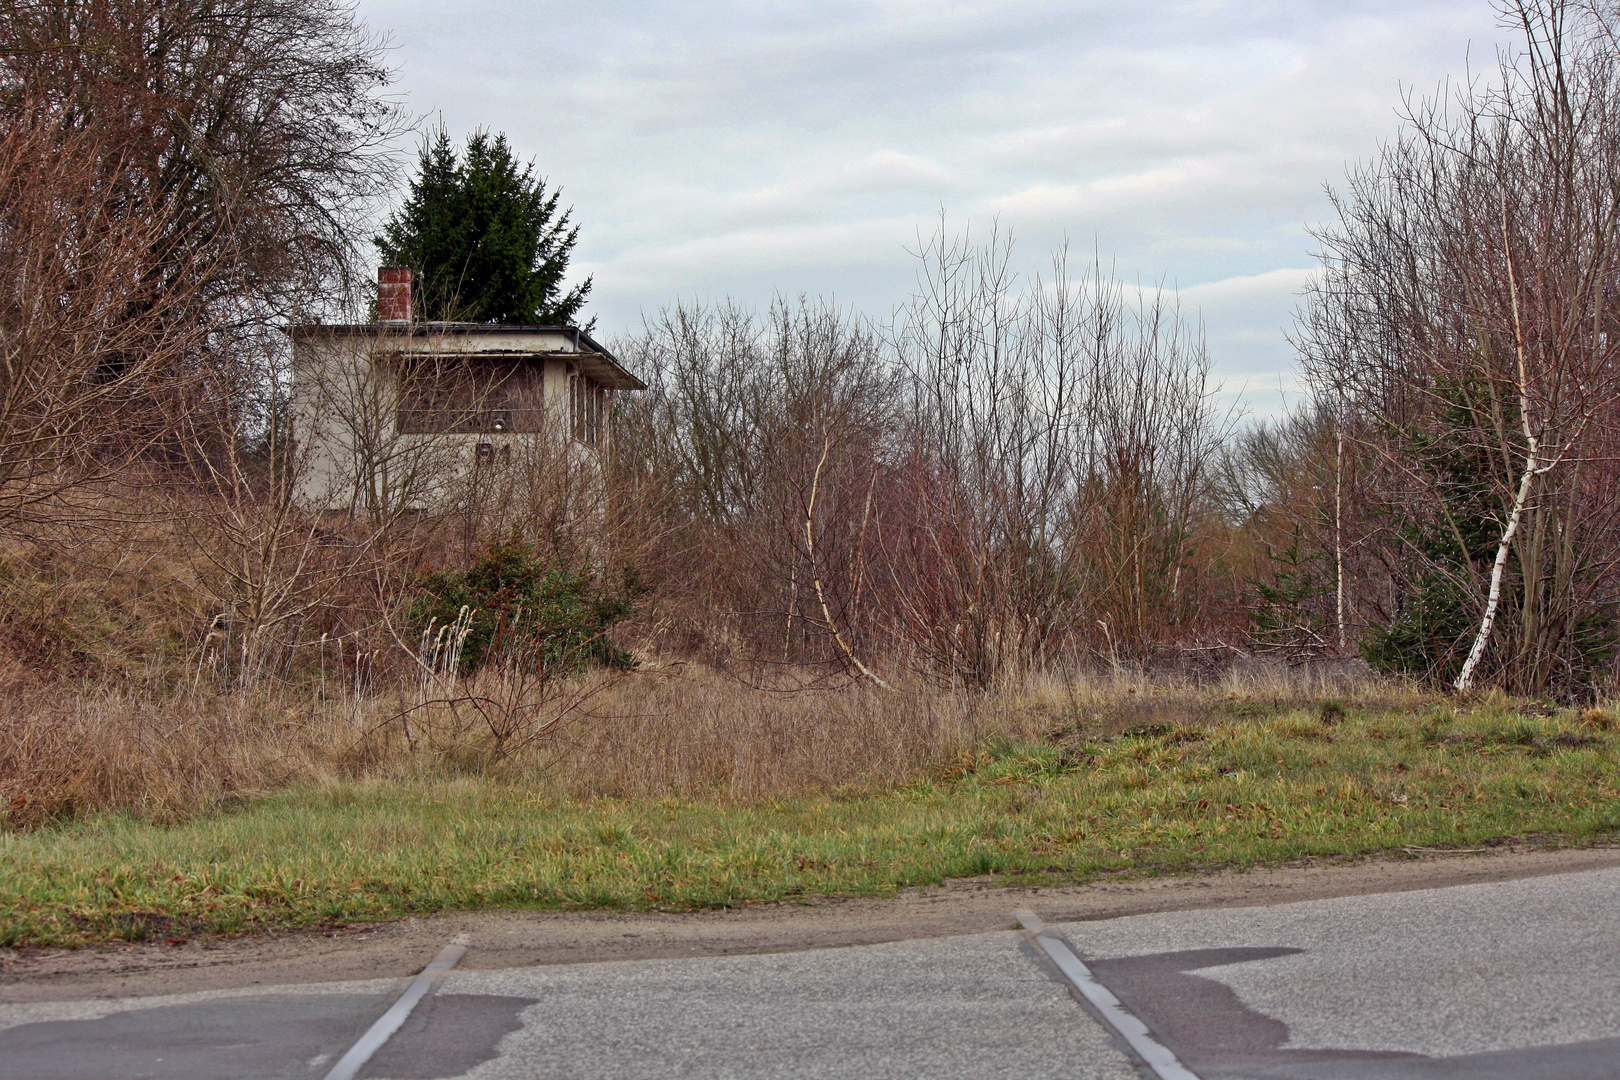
x,y
522,608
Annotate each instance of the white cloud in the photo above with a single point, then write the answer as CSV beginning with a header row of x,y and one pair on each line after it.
x,y
1266,288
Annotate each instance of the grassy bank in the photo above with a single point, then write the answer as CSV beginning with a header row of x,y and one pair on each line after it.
x,y
1248,784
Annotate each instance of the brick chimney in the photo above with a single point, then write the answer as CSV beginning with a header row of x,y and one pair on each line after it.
x,y
394,294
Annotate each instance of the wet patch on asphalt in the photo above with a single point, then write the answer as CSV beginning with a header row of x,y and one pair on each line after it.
x,y
1205,1024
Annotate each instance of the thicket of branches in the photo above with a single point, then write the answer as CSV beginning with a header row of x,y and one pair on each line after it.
x,y
1462,340
1011,474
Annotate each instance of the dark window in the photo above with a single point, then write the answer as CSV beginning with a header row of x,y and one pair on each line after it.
x,y
588,405
469,395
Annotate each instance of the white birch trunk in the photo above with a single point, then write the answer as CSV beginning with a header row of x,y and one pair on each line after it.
x,y
1338,527
1532,468
1465,677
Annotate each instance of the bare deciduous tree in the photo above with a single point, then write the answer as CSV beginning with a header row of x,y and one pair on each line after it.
x,y
1065,437
253,133
97,362
1007,476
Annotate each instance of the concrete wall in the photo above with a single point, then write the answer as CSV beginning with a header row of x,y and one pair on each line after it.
x,y
345,403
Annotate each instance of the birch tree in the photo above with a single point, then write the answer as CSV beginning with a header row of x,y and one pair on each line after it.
x,y
1464,309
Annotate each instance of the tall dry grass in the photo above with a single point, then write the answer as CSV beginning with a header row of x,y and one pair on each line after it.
x,y
703,734
67,752
686,733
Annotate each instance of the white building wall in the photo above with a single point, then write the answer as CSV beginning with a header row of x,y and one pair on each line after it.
x,y
345,411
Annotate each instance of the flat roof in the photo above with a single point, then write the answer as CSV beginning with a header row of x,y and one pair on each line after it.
x,y
597,361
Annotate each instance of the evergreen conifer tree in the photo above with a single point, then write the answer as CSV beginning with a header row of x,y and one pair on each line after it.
x,y
485,238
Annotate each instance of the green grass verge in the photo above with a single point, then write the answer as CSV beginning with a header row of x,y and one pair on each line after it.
x,y
1236,792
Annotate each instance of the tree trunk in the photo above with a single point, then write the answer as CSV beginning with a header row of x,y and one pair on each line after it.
x,y
1465,677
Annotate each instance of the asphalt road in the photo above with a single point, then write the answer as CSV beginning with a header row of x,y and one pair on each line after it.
x,y
1515,979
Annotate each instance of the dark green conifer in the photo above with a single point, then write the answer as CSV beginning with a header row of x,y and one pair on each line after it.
x,y
487,241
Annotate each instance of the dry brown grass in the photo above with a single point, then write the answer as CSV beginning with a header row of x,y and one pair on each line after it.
x,y
703,734
69,750
114,696
691,731
65,752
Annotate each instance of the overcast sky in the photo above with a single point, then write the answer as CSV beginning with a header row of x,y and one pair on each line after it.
x,y
742,149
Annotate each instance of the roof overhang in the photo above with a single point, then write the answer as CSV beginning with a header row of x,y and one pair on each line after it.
x,y
592,358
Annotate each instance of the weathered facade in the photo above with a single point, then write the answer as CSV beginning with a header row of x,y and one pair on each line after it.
x,y
403,410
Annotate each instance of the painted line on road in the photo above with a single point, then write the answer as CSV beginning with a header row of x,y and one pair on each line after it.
x,y
389,1022
1158,1057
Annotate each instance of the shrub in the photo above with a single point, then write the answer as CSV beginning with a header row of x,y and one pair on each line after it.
x,y
518,606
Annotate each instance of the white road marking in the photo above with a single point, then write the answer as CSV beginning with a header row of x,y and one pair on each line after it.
x,y
1158,1057
389,1022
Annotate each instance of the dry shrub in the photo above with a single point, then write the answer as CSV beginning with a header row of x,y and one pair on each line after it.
x,y
997,480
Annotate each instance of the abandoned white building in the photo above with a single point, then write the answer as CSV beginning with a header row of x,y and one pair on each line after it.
x,y
403,409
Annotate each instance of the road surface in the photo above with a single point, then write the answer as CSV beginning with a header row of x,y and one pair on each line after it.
x,y
1510,979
